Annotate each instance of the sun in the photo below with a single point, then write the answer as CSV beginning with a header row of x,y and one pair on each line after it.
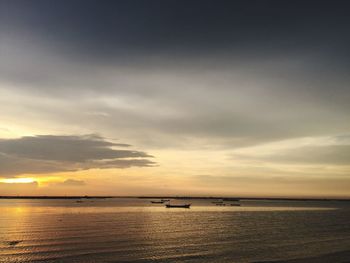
x,y
17,180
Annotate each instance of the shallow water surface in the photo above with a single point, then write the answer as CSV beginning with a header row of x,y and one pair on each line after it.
x,y
134,230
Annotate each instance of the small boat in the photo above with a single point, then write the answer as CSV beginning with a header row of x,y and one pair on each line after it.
x,y
235,204
157,202
220,204
217,202
178,206
165,200
79,201
14,243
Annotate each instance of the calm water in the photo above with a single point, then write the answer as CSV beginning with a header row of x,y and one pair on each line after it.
x,y
133,230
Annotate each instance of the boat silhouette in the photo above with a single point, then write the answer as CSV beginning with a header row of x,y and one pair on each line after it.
x,y
178,206
157,202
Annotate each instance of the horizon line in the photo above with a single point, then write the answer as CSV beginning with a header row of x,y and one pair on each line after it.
x,y
172,196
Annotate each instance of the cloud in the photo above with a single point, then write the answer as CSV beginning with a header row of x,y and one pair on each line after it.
x,y
325,155
232,98
253,90
243,101
54,153
305,155
124,163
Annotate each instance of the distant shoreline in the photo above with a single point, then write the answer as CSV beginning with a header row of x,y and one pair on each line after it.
x,y
179,197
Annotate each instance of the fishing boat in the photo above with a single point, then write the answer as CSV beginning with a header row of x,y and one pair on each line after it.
x,y
157,202
178,206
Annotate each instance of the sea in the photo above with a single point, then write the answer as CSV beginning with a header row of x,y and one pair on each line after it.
x,y
135,230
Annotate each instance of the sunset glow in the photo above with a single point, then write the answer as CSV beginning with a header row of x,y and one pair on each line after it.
x,y
18,180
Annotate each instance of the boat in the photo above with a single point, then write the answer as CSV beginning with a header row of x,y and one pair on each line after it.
x,y
165,200
235,204
178,206
157,202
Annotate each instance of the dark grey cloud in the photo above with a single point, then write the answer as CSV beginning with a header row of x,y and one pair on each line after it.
x,y
164,72
102,28
51,153
65,148
10,165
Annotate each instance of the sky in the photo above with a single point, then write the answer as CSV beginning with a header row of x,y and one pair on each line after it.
x,y
175,97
